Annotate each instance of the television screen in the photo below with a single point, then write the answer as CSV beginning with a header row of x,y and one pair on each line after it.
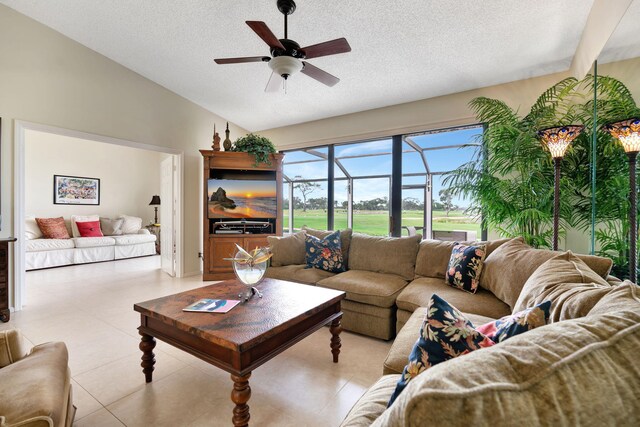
x,y
236,198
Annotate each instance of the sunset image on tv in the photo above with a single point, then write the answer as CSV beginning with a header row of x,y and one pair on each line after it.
x,y
242,199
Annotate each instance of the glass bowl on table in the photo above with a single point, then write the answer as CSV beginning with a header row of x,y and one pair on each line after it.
x,y
249,268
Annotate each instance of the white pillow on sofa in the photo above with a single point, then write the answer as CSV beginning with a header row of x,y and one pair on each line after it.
x,y
131,224
31,229
81,218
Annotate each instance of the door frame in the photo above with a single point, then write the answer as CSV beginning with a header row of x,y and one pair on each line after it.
x,y
20,128
173,208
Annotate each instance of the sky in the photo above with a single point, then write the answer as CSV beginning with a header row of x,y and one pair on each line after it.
x,y
439,160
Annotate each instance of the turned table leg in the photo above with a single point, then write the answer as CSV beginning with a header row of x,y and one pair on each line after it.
x,y
240,396
147,344
335,328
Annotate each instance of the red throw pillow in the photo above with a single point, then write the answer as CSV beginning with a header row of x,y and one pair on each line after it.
x,y
89,229
53,228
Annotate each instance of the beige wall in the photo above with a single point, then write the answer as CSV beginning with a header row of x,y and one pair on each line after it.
x,y
442,112
49,79
129,177
433,113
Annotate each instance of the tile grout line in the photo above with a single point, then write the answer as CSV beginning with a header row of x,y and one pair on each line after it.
x,y
87,391
155,381
116,417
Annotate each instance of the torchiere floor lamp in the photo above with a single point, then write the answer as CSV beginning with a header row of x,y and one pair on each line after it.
x,y
628,133
557,140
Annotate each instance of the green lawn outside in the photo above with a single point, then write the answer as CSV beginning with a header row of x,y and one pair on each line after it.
x,y
377,222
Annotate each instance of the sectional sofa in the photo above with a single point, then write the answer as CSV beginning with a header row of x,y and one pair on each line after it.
x,y
388,278
580,369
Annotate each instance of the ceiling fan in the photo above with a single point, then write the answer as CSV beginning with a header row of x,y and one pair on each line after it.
x,y
287,56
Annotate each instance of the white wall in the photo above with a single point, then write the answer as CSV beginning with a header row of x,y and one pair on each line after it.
x,y
129,177
50,79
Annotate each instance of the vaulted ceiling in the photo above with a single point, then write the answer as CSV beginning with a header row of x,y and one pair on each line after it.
x,y
402,51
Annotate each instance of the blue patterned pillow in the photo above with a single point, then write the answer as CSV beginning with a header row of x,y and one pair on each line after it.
x,y
465,267
444,334
325,254
517,323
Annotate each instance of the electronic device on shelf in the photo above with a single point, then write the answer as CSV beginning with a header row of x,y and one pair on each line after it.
x,y
242,227
242,198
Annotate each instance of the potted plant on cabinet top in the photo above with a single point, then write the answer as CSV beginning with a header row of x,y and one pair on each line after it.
x,y
256,145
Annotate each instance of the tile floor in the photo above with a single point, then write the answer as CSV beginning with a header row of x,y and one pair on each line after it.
x,y
90,308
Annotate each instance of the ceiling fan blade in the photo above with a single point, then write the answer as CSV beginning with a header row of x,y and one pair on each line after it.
x,y
261,29
318,74
273,85
331,47
241,60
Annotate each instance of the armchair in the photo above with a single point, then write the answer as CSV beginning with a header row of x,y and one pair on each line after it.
x,y
35,384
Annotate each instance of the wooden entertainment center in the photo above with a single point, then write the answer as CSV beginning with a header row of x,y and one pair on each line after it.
x,y
221,233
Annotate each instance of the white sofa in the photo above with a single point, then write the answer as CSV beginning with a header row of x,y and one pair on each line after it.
x,y
46,253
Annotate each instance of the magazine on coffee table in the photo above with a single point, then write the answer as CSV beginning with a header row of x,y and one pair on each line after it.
x,y
212,305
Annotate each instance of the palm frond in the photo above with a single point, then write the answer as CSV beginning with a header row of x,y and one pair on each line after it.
x,y
509,180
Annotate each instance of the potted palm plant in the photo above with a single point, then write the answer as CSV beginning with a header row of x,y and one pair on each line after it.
x,y
509,181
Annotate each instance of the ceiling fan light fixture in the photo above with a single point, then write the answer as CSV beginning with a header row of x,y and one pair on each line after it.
x,y
285,66
287,55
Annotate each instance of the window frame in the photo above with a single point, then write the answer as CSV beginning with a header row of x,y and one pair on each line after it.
x,y
396,185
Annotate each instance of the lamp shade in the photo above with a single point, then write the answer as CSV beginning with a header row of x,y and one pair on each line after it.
x,y
627,132
155,200
558,139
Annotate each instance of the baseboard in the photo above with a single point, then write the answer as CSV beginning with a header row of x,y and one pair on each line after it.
x,y
192,273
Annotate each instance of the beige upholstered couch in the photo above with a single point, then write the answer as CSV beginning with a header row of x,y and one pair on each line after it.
x,y
387,278
379,268
35,385
581,369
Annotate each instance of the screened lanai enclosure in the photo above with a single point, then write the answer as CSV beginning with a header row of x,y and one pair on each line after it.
x,y
387,187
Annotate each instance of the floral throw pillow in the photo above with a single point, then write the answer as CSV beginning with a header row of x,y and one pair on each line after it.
x,y
517,323
324,254
444,334
465,267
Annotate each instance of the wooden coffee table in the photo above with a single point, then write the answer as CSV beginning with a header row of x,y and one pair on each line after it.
x,y
244,338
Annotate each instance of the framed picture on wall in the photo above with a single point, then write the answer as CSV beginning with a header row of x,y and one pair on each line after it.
x,y
75,190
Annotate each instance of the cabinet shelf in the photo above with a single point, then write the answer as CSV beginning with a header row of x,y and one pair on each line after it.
x,y
218,246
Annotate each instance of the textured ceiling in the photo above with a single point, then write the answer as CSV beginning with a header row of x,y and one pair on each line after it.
x,y
403,50
625,40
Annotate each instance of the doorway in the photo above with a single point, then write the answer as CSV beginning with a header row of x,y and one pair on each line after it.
x,y
171,258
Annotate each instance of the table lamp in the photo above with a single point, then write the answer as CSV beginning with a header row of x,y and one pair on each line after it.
x,y
155,202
